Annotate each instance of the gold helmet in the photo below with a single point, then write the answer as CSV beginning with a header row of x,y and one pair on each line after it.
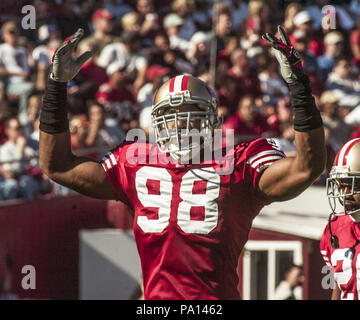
x,y
174,94
345,171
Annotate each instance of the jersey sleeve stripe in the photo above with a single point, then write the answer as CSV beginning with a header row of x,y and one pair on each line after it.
x,y
113,160
104,166
323,252
263,160
265,153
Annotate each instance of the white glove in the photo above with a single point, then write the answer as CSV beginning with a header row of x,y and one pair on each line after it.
x,y
64,67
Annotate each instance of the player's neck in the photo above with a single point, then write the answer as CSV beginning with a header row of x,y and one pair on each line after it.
x,y
355,217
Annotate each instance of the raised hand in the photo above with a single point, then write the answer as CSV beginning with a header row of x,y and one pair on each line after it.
x,y
64,66
289,59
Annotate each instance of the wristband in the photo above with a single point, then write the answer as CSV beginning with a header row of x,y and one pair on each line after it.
x,y
306,115
53,116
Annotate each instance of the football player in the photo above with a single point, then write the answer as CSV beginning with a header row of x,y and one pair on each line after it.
x,y
340,242
190,221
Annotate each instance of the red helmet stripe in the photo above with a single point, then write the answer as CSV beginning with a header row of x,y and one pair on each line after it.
x,y
184,83
171,86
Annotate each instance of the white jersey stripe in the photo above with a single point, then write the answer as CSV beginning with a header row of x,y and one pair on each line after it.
x,y
323,252
177,83
265,159
265,153
113,160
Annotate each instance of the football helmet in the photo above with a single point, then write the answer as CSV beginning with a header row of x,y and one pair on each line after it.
x,y
345,170
173,124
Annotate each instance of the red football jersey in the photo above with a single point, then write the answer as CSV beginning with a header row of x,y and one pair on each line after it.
x,y
345,260
190,221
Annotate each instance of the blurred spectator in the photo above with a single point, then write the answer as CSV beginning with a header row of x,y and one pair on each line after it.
x,y
3,114
99,134
172,23
78,126
247,122
334,48
103,23
303,22
68,21
148,20
239,12
156,75
291,11
272,85
128,54
309,60
131,22
198,52
339,132
223,27
33,112
85,85
172,59
15,67
13,155
288,288
184,9
344,85
50,39
117,8
241,70
118,100
228,97
355,44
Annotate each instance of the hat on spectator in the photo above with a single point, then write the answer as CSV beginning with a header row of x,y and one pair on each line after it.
x,y
172,20
156,71
46,30
333,37
102,13
299,34
9,26
118,65
199,37
301,18
328,97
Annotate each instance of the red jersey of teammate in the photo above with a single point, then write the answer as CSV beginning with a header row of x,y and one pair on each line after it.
x,y
346,259
190,223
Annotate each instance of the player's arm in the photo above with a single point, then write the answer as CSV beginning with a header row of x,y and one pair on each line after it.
x,y
287,178
56,159
336,293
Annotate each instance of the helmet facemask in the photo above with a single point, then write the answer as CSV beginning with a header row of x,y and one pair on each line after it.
x,y
175,131
340,176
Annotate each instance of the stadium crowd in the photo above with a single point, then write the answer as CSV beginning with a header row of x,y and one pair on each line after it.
x,y
138,44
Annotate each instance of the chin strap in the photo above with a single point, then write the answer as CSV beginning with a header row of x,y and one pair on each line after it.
x,y
333,238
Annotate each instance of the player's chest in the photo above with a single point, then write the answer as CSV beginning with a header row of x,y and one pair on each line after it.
x,y
190,200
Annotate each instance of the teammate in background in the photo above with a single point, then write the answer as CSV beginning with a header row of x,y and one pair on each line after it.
x,y
340,242
190,221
